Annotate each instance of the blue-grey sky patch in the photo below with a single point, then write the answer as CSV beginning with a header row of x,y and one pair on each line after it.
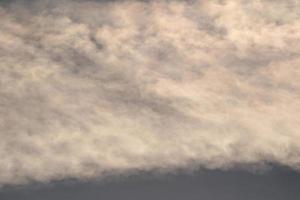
x,y
276,184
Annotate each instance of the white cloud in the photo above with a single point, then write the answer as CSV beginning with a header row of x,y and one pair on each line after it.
x,y
93,87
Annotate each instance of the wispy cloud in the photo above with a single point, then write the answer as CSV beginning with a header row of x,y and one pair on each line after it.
x,y
93,87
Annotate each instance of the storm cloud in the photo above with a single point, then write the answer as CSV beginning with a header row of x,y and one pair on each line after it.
x,y
89,88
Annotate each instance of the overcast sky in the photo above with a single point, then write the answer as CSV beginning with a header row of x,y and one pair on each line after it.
x,y
90,89
276,184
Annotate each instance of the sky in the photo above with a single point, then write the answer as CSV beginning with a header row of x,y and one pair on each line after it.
x,y
276,183
91,89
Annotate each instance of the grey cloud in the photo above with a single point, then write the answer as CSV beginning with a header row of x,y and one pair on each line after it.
x,y
93,87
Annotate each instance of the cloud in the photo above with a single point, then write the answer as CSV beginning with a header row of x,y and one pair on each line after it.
x,y
95,87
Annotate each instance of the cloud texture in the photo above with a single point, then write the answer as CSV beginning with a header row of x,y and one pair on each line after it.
x,y
95,87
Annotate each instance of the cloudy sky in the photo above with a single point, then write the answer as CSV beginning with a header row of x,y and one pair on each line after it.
x,y
91,89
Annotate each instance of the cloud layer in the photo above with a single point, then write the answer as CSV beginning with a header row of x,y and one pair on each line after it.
x,y
95,87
